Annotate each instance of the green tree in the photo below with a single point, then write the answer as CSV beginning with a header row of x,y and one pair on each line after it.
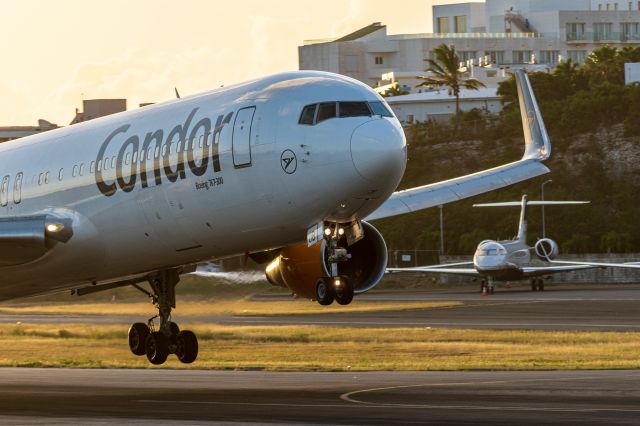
x,y
445,70
394,91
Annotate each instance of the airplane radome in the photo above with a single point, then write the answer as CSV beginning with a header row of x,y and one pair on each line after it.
x,y
282,168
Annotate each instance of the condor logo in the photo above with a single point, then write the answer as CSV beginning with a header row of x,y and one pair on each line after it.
x,y
160,148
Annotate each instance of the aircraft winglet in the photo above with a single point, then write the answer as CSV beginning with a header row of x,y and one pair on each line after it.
x,y
537,142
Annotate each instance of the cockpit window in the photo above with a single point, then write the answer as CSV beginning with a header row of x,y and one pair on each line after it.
x,y
379,108
326,111
308,114
354,109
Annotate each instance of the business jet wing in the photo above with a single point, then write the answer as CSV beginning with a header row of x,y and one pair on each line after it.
x,y
632,265
537,271
447,268
537,149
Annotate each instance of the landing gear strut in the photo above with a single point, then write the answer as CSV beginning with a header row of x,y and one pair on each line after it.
x,y
335,287
537,284
486,286
157,345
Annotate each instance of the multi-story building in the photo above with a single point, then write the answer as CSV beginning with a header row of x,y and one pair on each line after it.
x,y
8,133
503,33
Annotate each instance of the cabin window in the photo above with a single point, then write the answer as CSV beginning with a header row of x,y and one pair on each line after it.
x,y
113,162
81,169
354,109
326,111
379,108
92,167
4,191
308,114
200,142
46,177
75,171
17,189
135,156
61,174
127,158
106,164
157,151
40,178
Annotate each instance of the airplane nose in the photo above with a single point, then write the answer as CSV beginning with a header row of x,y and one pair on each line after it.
x,y
379,151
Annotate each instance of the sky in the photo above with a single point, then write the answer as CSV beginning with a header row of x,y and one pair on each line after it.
x,y
56,53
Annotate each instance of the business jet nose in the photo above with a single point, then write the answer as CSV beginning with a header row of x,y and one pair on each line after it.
x,y
379,151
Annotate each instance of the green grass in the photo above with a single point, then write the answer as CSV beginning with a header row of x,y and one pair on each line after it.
x,y
314,348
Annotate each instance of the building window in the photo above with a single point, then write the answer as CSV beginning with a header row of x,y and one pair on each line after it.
x,y
615,6
630,5
549,56
575,31
379,60
495,56
521,56
602,31
460,24
629,31
443,24
576,56
466,55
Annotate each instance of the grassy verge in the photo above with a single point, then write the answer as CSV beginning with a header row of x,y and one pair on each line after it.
x,y
306,348
225,307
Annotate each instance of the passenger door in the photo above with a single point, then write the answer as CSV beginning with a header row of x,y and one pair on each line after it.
x,y
241,141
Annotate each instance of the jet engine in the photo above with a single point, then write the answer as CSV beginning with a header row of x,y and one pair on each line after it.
x,y
546,249
298,267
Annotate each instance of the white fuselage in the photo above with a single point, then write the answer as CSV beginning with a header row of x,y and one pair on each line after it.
x,y
213,175
501,259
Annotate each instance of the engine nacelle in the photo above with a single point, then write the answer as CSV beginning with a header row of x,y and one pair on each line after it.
x,y
546,248
298,267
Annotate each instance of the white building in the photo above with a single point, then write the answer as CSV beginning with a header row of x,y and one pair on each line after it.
x,y
440,105
510,33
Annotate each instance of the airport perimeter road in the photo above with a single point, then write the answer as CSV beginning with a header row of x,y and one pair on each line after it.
x,y
50,396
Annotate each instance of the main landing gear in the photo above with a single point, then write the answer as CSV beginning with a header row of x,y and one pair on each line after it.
x,y
486,286
335,287
168,339
537,284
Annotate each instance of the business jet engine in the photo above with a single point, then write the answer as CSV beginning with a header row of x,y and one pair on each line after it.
x,y
546,249
299,267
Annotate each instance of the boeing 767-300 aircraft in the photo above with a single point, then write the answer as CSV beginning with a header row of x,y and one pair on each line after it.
x,y
283,169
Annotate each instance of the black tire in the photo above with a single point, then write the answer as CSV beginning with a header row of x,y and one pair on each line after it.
x,y
157,348
175,330
187,346
534,285
138,334
325,294
491,290
483,284
345,296
541,285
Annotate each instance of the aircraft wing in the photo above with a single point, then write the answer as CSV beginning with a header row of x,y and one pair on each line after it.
x,y
537,149
632,265
536,271
440,269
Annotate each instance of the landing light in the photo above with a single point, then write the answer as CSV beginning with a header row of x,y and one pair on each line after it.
x,y
54,227
340,231
327,231
337,282
274,264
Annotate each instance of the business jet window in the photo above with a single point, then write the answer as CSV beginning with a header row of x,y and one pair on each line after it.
x,y
61,174
46,177
75,171
308,114
379,108
81,169
326,111
354,109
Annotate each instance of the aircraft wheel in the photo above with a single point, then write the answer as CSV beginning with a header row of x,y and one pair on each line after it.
x,y
325,293
541,285
174,329
483,285
534,285
345,295
187,346
138,334
491,290
157,348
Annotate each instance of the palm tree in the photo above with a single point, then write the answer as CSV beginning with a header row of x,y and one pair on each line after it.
x,y
446,72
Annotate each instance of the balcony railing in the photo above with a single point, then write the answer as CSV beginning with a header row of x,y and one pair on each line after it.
x,y
602,37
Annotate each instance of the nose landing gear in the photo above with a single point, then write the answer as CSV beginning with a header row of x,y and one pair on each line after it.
x,y
335,287
157,345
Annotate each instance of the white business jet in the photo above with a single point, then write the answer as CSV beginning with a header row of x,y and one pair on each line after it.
x,y
283,169
508,260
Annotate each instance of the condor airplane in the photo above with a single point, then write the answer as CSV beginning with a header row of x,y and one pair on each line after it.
x,y
508,260
283,169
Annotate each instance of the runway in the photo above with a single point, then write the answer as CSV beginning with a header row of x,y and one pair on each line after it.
x,y
588,308
39,396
